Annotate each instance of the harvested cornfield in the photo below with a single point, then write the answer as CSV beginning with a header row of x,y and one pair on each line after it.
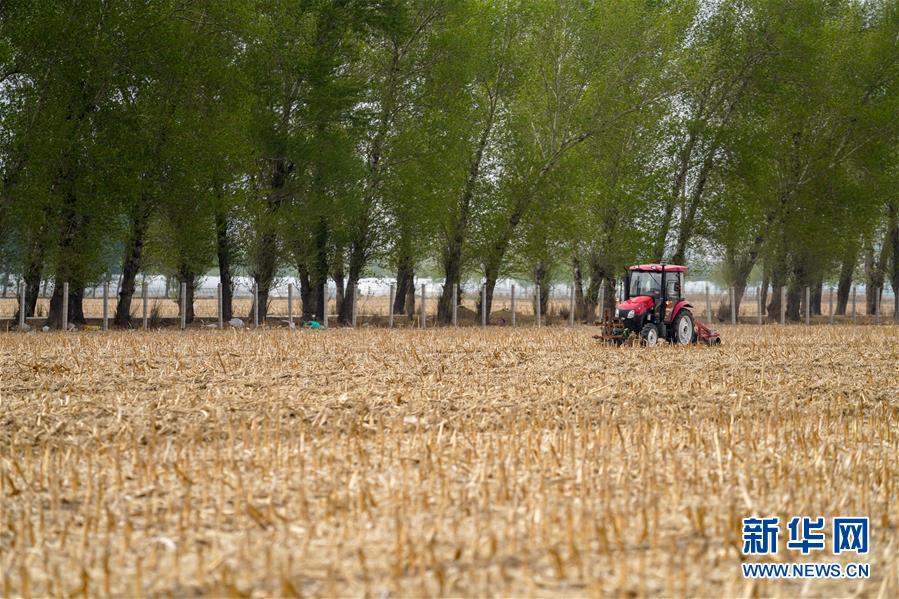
x,y
439,462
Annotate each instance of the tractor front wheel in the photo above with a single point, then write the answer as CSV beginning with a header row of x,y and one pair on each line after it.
x,y
683,327
649,335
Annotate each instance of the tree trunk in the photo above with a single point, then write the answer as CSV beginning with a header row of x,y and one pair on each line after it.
x,y
774,304
541,280
452,269
579,299
405,278
658,252
685,157
844,287
609,299
496,254
357,263
778,281
225,252
740,268
796,294
410,297
266,259
685,231
598,275
874,277
452,251
893,235
763,290
32,277
816,295
68,268
186,275
264,273
131,264
319,299
75,307
491,276
724,311
307,304
494,260
338,279
319,272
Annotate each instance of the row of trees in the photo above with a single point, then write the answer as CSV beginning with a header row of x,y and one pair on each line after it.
x,y
538,138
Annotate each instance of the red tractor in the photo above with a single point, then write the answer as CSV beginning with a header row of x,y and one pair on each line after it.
x,y
655,309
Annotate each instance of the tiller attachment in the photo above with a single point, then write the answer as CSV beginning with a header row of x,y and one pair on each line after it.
x,y
706,335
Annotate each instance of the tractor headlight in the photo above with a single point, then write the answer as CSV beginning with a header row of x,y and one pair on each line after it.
x,y
630,314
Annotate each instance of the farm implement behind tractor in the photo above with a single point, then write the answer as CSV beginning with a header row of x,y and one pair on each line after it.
x,y
654,310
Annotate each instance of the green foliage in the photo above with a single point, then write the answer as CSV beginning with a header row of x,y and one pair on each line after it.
x,y
509,134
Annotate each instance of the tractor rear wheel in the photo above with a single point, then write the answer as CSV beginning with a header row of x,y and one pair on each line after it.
x,y
649,335
683,327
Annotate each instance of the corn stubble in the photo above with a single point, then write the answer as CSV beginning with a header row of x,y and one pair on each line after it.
x,y
497,462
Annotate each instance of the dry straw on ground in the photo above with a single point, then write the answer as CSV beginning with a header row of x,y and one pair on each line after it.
x,y
440,462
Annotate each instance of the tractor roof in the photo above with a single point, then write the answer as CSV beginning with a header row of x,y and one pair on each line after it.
x,y
660,267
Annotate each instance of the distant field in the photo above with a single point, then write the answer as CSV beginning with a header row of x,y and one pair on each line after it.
x,y
443,462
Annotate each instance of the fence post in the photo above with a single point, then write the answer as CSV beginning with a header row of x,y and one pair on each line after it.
x,y
22,293
183,306
65,306
483,305
455,305
708,304
514,316
854,313
106,305
356,302
390,307
290,305
733,305
758,301
424,308
571,306
830,308
146,301
218,300
537,311
783,305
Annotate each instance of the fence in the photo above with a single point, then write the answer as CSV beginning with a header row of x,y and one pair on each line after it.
x,y
722,307
507,309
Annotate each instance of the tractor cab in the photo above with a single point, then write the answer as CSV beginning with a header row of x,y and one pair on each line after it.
x,y
663,286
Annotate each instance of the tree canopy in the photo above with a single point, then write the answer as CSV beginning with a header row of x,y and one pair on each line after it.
x,y
538,139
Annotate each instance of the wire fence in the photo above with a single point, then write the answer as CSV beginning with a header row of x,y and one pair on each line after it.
x,y
515,306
